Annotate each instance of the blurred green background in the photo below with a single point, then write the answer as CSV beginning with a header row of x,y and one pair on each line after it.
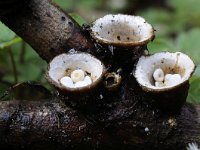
x,y
177,25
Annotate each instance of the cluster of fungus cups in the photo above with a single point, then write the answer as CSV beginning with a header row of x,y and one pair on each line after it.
x,y
75,74
165,76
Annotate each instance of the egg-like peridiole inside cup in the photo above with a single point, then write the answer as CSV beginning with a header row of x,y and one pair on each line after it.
x,y
122,30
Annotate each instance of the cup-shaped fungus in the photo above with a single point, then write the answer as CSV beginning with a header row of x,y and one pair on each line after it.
x,y
125,36
112,81
165,76
122,30
75,74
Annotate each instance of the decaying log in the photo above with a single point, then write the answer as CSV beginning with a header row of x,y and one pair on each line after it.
x,y
42,125
121,120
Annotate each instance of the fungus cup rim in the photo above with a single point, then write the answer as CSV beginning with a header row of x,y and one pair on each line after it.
x,y
130,43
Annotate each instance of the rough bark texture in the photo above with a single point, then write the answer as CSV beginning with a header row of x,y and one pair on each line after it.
x,y
37,125
44,26
44,125
122,119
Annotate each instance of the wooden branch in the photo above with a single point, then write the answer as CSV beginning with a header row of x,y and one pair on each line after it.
x,y
25,124
31,125
45,27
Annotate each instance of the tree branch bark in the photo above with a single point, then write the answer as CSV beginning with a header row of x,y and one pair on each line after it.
x,y
31,125
45,27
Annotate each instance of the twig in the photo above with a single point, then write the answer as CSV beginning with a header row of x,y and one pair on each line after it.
x,y
23,52
13,65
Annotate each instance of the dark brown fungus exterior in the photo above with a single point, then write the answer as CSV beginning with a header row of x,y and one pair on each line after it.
x,y
124,36
171,93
